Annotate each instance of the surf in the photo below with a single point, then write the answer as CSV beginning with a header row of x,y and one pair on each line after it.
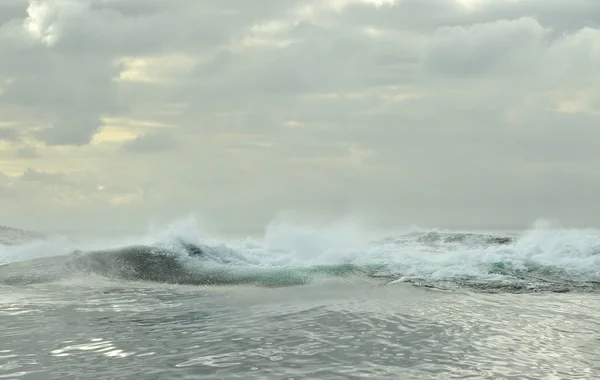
x,y
191,264
542,259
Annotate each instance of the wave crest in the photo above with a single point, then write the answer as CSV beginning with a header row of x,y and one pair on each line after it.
x,y
542,259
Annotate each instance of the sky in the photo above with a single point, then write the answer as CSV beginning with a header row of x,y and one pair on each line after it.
x,y
438,113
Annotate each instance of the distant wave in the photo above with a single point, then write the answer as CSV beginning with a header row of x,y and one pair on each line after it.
x,y
11,236
540,260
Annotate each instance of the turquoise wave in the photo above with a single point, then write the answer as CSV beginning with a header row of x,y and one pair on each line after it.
x,y
446,261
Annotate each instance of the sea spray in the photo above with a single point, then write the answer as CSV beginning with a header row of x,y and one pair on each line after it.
x,y
544,258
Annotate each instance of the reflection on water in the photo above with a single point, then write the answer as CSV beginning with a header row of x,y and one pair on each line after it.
x,y
332,331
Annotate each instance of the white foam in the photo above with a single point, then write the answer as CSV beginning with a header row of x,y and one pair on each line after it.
x,y
288,244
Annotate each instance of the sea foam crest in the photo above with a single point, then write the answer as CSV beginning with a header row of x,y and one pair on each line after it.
x,y
545,252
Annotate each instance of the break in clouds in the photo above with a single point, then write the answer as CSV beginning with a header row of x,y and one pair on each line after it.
x,y
439,113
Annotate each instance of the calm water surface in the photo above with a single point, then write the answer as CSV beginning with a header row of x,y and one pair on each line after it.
x,y
343,329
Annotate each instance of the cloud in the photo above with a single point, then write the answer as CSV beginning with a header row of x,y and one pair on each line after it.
x,y
9,134
27,153
480,48
11,9
32,175
439,112
48,21
150,143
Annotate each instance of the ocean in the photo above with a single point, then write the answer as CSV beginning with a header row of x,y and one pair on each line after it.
x,y
302,302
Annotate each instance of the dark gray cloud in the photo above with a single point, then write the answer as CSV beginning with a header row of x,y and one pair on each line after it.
x,y
70,129
32,175
67,93
485,49
27,153
426,15
11,10
9,134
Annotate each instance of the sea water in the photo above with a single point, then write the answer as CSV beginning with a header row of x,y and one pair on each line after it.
x,y
303,303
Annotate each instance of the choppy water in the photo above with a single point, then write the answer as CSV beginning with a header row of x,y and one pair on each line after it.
x,y
304,304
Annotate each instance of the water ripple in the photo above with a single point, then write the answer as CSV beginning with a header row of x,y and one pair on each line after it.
x,y
311,333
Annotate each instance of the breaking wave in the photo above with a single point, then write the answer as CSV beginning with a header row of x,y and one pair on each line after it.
x,y
543,259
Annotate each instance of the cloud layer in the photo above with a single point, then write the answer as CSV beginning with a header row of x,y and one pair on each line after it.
x,y
443,113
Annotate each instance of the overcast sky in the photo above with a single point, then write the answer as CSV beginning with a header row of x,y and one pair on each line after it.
x,y
442,113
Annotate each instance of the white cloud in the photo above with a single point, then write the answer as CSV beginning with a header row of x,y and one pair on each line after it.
x,y
47,20
163,69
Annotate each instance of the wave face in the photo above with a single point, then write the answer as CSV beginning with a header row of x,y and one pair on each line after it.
x,y
543,259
